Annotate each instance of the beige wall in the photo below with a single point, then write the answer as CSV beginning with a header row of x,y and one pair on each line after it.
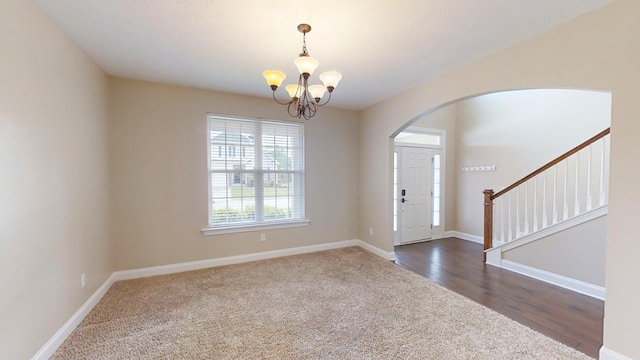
x,y
519,131
160,175
598,51
54,192
577,252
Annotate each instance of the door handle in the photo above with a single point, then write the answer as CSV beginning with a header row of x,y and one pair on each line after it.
x,y
404,200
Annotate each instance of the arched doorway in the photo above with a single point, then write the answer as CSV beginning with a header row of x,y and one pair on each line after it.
x,y
492,140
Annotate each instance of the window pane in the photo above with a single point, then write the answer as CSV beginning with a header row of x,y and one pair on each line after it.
x,y
219,186
281,196
281,147
395,191
224,138
395,217
436,190
418,138
436,218
237,210
233,203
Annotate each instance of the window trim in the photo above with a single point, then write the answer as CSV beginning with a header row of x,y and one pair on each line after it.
x,y
271,224
255,227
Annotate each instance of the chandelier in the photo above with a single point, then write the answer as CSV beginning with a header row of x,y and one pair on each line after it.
x,y
305,99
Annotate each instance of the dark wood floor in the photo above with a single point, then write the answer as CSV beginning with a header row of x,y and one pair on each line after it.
x,y
569,317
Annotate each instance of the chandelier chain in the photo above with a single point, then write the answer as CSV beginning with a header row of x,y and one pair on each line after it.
x,y
304,44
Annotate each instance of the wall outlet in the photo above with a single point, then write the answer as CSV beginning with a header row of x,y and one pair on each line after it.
x,y
371,231
263,237
83,280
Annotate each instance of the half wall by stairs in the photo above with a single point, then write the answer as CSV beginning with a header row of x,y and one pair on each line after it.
x,y
570,254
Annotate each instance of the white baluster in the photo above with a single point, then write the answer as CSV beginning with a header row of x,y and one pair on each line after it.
x,y
526,208
509,232
589,199
518,231
535,204
555,201
544,201
495,224
502,219
576,206
602,195
565,207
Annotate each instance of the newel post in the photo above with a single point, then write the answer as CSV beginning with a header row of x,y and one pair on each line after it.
x,y
488,220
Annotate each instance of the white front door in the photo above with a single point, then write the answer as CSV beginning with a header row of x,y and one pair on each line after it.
x,y
416,182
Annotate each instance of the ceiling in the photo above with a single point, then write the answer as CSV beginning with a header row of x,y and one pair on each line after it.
x,y
381,47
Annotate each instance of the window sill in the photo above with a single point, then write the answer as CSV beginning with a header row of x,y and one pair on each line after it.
x,y
254,227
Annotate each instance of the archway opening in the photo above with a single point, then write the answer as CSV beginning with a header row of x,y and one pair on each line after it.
x,y
493,140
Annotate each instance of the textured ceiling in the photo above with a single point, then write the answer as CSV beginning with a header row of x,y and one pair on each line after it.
x,y
381,47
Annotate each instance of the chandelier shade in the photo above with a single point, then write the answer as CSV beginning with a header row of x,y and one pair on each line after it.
x,y
330,78
295,91
317,91
304,98
306,64
274,77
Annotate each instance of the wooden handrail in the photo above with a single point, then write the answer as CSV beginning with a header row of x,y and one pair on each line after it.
x,y
588,142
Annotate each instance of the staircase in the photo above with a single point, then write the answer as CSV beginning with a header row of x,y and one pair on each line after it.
x,y
567,191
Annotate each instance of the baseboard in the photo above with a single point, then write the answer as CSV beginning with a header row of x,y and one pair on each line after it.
x,y
606,354
464,236
391,255
61,335
229,260
581,287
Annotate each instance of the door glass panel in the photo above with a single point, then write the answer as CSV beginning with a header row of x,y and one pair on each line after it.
x,y
436,190
436,161
395,191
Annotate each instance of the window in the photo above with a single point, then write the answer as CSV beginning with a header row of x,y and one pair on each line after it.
x,y
436,190
395,191
264,183
415,137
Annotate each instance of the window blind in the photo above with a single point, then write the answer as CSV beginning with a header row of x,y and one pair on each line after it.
x,y
256,171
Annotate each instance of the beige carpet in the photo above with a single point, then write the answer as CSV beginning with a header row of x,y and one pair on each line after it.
x,y
338,304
